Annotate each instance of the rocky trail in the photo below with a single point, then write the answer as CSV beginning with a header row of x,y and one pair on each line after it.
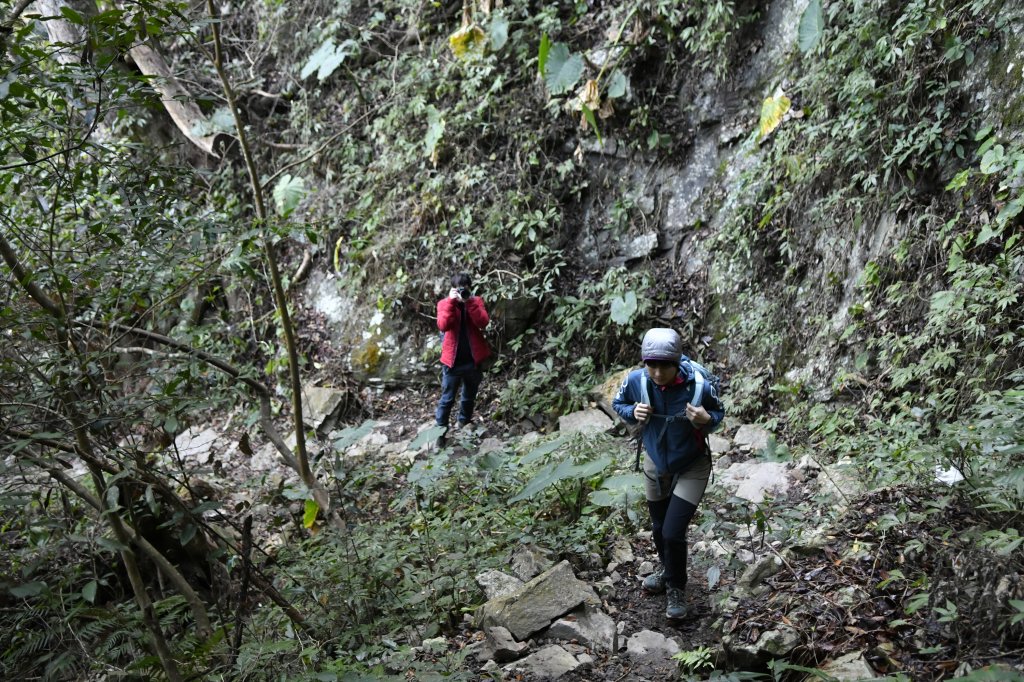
x,y
791,560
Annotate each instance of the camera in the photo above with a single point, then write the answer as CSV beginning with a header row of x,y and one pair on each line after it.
x,y
463,292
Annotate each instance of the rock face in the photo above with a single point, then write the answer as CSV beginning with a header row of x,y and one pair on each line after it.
x,y
548,596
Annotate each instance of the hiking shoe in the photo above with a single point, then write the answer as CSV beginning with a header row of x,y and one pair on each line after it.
x,y
676,604
655,582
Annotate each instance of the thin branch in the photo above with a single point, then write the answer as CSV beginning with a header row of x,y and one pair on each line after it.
x,y
220,364
26,280
307,157
319,493
165,566
262,392
8,26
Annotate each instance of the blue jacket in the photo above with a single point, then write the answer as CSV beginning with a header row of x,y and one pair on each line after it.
x,y
669,438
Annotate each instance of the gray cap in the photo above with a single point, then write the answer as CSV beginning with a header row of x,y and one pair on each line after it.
x,y
662,344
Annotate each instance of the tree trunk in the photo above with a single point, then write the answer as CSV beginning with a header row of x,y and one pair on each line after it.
x,y
180,105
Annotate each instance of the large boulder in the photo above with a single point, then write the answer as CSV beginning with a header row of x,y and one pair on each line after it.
x,y
540,601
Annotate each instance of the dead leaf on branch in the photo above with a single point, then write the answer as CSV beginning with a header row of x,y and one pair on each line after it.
x,y
772,111
468,40
589,95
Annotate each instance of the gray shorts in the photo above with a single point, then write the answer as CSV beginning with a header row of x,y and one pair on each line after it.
x,y
690,484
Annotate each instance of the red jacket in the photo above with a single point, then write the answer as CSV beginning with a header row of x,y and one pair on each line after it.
x,y
449,318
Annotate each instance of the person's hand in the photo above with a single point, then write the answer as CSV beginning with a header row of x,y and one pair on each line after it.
x,y
454,295
641,412
698,416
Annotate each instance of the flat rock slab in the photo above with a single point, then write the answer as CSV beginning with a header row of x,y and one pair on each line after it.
x,y
499,646
549,663
649,645
718,444
197,445
585,421
319,405
751,438
753,479
852,667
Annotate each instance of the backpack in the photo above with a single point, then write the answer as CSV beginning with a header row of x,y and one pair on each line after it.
x,y
701,377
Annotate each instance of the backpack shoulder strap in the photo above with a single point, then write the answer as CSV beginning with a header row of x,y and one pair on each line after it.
x,y
698,386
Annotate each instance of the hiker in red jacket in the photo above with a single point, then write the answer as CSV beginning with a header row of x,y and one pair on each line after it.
x,y
461,316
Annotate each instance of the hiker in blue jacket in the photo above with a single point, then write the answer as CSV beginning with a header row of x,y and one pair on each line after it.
x,y
678,408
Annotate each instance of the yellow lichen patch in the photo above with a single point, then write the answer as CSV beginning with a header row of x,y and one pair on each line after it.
x,y
368,356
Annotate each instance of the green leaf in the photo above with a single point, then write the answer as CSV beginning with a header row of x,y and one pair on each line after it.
x,y
1010,211
113,498
89,591
588,114
992,161
435,131
327,58
959,180
617,85
188,534
497,32
288,193
624,308
983,133
562,69
350,435
542,450
551,474
31,589
72,16
111,544
988,232
427,436
544,478
542,54
309,516
295,493
812,25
